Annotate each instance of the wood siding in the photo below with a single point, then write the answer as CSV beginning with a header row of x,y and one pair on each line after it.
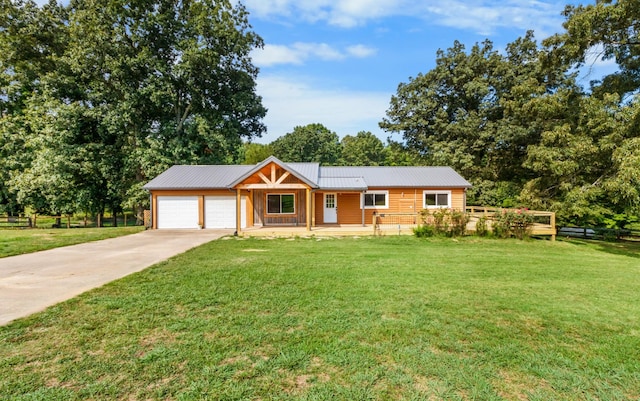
x,y
401,200
261,217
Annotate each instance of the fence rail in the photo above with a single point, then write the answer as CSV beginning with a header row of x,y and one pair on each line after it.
x,y
544,222
15,221
63,221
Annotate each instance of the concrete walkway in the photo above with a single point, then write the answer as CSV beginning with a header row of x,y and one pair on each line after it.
x,y
32,282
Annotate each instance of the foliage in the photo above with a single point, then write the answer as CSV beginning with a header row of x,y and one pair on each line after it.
x,y
512,223
254,153
326,319
424,231
309,143
482,229
364,149
445,222
519,127
105,95
609,27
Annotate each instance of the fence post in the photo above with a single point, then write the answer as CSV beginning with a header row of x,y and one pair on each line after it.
x,y
374,223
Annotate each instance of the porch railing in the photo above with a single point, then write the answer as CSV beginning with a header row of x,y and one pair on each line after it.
x,y
544,223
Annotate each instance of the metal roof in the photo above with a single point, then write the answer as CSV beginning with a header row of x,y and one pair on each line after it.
x,y
400,177
343,183
330,178
197,177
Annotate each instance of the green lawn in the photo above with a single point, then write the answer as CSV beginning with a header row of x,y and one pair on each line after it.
x,y
19,241
393,318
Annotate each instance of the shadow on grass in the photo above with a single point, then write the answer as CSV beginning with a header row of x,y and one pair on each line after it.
x,y
620,247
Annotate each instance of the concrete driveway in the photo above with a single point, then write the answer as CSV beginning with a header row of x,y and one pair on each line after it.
x,y
32,282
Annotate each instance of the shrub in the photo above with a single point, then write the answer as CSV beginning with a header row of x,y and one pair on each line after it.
x,y
442,222
459,221
424,231
513,223
481,227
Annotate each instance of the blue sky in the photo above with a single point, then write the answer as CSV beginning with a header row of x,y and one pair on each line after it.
x,y
338,62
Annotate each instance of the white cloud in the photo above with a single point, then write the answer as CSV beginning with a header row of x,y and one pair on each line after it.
x,y
292,102
479,16
300,52
361,51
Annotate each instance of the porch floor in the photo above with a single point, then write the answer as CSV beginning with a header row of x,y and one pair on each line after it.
x,y
343,230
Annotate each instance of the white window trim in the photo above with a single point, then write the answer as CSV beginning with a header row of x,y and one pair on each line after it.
x,y
386,199
435,192
280,194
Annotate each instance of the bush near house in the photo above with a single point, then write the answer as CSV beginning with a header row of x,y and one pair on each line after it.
x,y
442,222
512,223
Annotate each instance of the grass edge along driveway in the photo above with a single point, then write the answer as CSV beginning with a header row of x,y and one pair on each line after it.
x,y
358,319
20,241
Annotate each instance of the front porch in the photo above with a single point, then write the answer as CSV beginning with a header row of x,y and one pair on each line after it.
x,y
342,230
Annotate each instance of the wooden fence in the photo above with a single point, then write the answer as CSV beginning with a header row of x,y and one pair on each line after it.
x,y
544,223
64,221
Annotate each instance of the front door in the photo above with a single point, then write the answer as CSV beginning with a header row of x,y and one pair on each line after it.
x,y
330,208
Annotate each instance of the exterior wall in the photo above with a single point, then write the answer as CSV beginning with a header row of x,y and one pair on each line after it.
x,y
319,207
200,194
401,200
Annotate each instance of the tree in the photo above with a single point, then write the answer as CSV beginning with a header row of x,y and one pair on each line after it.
x,y
471,112
611,27
141,85
254,153
31,40
364,149
588,168
309,143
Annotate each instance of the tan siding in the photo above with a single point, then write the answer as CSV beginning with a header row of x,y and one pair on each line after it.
x,y
349,211
401,200
319,212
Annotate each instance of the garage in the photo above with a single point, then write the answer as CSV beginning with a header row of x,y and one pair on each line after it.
x,y
220,212
177,212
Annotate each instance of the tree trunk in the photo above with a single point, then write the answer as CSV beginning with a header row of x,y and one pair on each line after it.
x,y
115,218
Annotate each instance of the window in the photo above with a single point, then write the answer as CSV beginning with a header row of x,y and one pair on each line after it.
x,y
375,200
436,199
280,204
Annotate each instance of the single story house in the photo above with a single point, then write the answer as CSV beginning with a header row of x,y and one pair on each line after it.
x,y
296,194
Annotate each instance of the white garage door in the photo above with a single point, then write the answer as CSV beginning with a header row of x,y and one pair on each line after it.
x,y
177,212
220,212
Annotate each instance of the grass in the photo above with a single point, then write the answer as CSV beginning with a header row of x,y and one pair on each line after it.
x,y
20,241
392,318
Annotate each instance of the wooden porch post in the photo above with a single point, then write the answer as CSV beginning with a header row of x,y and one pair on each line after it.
x,y
238,211
313,209
308,209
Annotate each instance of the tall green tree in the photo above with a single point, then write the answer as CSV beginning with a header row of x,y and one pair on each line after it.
x,y
611,27
141,85
309,143
364,149
471,112
254,153
588,168
31,41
